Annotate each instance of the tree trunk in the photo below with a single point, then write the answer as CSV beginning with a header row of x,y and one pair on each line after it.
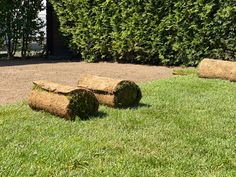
x,y
23,50
9,49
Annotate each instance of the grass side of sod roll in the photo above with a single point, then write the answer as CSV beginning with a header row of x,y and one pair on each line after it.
x,y
184,126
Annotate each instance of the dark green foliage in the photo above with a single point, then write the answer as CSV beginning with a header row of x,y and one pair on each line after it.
x,y
170,32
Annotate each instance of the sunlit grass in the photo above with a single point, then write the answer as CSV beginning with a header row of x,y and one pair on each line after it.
x,y
184,72
185,126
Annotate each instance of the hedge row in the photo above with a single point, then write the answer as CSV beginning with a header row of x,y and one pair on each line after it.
x,y
171,32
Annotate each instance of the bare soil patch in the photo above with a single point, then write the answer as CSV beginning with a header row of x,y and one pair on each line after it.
x,y
16,76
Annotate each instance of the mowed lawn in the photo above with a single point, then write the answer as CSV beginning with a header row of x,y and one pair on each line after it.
x,y
184,126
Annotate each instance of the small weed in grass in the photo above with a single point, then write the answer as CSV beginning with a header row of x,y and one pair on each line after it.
x,y
185,72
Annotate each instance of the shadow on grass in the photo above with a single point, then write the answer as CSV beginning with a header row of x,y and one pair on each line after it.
x,y
141,105
99,115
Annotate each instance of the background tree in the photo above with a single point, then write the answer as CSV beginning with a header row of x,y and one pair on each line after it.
x,y
20,24
31,24
9,25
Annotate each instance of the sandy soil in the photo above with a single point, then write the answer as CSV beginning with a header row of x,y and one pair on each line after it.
x,y
16,76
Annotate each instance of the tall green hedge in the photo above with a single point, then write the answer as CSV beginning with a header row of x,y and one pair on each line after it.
x,y
171,32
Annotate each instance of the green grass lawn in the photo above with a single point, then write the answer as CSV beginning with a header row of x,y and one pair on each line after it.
x,y
185,126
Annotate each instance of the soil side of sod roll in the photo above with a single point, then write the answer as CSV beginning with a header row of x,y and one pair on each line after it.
x,y
112,92
62,100
212,68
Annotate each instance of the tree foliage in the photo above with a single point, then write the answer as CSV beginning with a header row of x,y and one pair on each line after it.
x,y
20,24
149,31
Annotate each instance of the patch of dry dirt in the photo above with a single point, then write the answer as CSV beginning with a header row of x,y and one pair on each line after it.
x,y
16,76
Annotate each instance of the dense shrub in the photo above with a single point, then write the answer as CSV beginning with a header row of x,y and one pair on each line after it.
x,y
149,31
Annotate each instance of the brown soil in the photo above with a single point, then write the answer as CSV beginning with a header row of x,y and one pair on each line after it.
x,y
16,76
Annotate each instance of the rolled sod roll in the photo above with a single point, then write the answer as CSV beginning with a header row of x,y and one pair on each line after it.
x,y
211,68
62,100
112,92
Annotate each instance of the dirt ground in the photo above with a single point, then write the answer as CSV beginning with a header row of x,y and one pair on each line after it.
x,y
16,76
